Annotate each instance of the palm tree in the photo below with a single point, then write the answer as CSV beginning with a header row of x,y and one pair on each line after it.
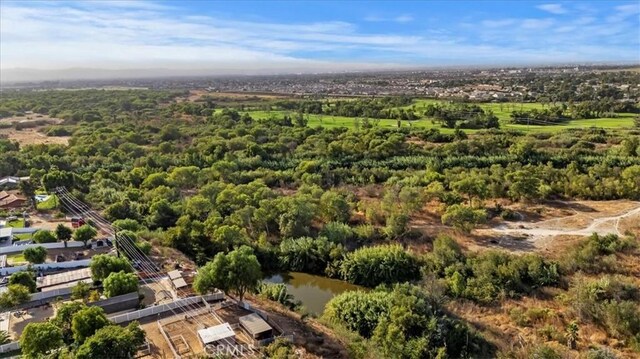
x,y
572,335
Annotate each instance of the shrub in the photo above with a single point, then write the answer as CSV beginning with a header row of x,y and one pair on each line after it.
x,y
396,225
610,302
545,352
308,255
591,256
337,232
366,233
382,264
463,218
277,292
24,278
495,274
601,353
404,322
44,236
120,283
35,255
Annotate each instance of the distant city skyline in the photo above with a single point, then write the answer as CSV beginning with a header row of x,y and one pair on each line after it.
x,y
245,37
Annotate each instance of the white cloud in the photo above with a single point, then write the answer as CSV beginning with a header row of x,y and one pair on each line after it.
x,y
536,24
405,18
556,9
498,23
623,12
149,35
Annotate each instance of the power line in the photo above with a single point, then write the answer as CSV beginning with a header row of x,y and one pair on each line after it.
x,y
131,251
129,248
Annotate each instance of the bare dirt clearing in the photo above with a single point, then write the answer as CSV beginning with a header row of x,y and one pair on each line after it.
x,y
588,217
30,135
33,137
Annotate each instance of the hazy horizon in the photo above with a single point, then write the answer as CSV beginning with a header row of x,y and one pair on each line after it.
x,y
69,40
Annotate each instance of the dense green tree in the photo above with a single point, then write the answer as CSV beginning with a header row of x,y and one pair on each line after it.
x,y
81,291
28,189
307,254
39,339
64,317
238,272
35,255
86,322
463,218
103,264
85,234
44,236
162,214
296,215
63,233
15,294
226,237
118,283
57,178
372,266
128,224
473,186
334,207
112,342
24,278
523,185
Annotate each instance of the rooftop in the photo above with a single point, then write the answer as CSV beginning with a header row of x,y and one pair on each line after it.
x,y
254,324
65,277
6,232
179,283
216,333
174,274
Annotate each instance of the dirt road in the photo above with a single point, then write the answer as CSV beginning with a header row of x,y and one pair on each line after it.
x,y
558,226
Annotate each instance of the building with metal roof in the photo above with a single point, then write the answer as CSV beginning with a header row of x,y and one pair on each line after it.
x,y
219,334
174,274
61,278
179,283
256,326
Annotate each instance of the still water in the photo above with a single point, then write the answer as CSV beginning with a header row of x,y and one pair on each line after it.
x,y
312,290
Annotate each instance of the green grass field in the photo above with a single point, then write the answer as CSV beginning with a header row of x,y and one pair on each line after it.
x,y
18,223
502,111
14,259
49,204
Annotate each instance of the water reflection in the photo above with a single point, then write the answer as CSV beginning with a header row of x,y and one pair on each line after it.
x,y
312,290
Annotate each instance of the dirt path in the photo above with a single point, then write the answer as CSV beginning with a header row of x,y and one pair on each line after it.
x,y
539,231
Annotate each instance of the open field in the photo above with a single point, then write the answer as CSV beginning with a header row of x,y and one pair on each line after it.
x,y
50,203
623,121
31,136
565,223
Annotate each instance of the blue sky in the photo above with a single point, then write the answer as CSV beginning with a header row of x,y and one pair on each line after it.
x,y
319,35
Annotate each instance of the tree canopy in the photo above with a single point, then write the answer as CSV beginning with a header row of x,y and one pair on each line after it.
x,y
38,339
238,272
35,255
118,283
102,265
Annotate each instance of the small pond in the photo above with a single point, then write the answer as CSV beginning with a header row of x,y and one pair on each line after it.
x,y
313,291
